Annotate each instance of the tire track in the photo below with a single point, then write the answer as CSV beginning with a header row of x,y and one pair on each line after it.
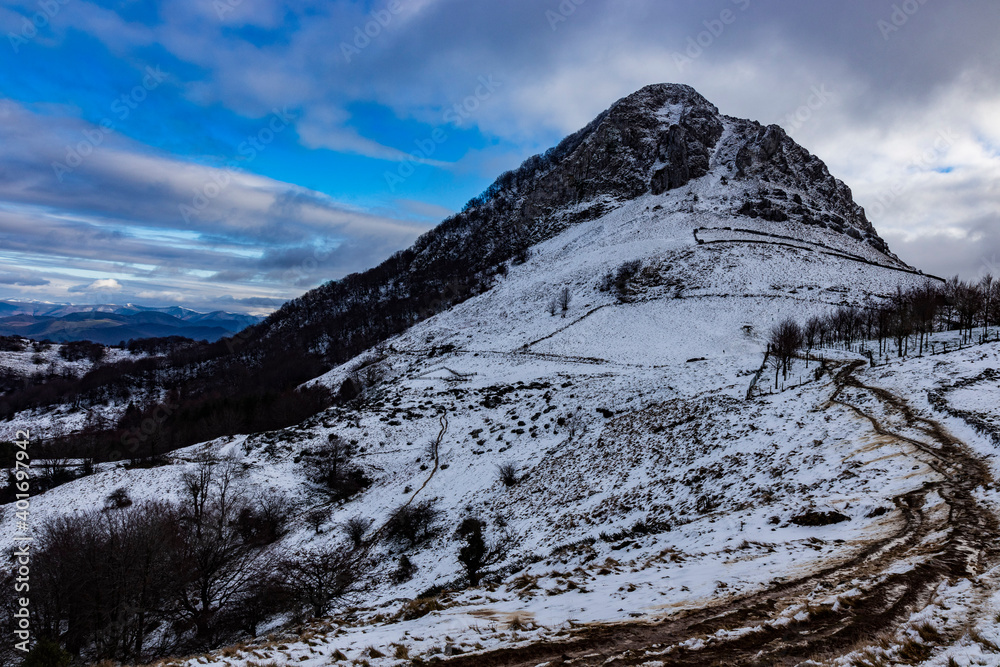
x,y
942,545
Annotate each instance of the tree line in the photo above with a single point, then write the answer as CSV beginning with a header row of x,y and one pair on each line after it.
x,y
901,324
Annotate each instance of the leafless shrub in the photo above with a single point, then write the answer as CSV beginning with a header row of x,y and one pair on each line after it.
x,y
355,528
413,523
477,553
575,424
117,499
404,570
330,466
618,280
507,473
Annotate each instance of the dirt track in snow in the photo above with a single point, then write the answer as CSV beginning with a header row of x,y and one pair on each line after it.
x,y
943,542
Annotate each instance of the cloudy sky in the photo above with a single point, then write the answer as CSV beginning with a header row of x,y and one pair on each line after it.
x,y
234,153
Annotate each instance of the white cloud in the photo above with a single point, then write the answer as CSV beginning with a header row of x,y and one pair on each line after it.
x,y
101,285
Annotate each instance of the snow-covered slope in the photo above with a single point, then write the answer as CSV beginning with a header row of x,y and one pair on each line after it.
x,y
649,485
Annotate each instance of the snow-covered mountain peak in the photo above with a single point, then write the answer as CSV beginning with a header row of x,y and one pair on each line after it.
x,y
661,138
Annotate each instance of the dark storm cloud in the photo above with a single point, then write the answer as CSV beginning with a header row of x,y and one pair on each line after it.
x,y
892,76
21,278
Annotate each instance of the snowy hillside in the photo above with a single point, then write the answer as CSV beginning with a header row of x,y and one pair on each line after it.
x,y
610,371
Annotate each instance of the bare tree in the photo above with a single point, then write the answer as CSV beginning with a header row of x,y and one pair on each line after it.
x,y
269,596
100,579
785,341
355,528
319,578
476,553
968,302
195,486
993,314
988,288
413,523
317,517
924,304
221,560
811,332
189,575
909,317
564,299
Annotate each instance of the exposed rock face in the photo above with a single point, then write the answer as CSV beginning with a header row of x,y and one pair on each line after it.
x,y
656,139
685,158
662,137
771,156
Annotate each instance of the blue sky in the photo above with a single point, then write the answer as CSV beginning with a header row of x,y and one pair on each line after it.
x,y
234,153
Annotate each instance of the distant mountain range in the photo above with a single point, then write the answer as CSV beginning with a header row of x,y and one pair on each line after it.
x,y
110,324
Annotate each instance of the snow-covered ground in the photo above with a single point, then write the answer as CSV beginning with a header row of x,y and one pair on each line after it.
x,y
59,419
968,609
669,492
46,360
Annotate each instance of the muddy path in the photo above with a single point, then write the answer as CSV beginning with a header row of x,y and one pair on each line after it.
x,y
942,541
